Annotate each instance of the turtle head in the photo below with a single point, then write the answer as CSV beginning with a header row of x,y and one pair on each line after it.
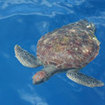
x,y
40,77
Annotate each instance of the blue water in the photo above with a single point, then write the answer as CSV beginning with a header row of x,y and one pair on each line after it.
x,y
23,22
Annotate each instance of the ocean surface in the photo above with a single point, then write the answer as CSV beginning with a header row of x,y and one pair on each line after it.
x,y
23,22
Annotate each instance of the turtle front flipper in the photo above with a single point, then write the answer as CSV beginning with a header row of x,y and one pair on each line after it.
x,y
83,79
26,58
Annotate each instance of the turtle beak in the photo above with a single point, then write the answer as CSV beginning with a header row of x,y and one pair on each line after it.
x,y
37,81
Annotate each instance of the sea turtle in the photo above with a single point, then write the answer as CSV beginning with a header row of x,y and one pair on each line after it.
x,y
67,49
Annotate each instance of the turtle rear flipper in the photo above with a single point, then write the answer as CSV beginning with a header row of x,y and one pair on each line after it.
x,y
26,58
84,79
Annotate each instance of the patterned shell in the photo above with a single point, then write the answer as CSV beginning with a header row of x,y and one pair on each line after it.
x,y
72,46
